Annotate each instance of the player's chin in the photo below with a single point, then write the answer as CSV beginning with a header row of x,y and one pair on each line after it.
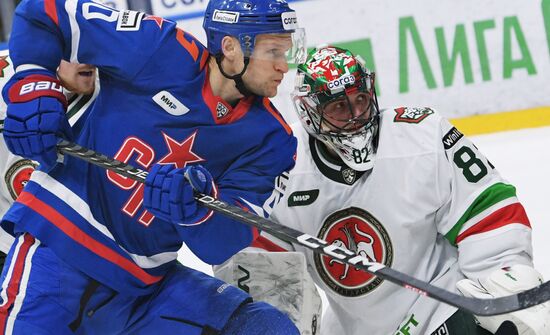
x,y
85,89
88,91
269,92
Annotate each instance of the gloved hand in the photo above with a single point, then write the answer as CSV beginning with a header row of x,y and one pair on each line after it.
x,y
168,193
36,118
507,281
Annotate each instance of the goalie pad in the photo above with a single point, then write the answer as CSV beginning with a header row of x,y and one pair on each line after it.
x,y
280,279
507,281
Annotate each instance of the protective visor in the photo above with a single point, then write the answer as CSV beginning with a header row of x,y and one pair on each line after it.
x,y
278,47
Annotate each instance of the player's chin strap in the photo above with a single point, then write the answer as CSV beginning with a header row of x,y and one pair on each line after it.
x,y
238,78
477,306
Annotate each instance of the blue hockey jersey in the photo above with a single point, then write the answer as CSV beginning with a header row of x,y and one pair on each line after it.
x,y
155,106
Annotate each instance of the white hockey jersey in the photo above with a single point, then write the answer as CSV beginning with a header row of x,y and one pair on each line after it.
x,y
433,207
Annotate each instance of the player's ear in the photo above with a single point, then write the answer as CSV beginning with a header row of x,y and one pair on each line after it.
x,y
231,48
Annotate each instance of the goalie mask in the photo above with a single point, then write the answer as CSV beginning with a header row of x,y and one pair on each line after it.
x,y
336,101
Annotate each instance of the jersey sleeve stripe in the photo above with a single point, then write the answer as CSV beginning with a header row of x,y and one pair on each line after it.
x,y
511,214
25,67
489,197
70,7
191,47
51,10
73,201
87,241
477,218
255,232
267,104
204,59
14,281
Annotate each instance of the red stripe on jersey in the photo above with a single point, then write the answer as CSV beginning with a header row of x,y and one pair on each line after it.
x,y
15,281
191,47
514,213
255,231
263,243
255,234
243,207
87,241
51,10
204,59
267,104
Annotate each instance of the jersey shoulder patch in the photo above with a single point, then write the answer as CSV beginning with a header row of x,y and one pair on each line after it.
x,y
411,114
451,138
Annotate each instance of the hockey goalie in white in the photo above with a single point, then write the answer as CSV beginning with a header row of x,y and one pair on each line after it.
x,y
401,187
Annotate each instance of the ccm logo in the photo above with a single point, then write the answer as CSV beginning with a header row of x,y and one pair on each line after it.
x,y
290,20
41,86
341,82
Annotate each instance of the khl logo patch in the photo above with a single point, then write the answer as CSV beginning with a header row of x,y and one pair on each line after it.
x,y
221,110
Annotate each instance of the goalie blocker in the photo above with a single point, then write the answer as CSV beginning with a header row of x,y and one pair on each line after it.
x,y
280,279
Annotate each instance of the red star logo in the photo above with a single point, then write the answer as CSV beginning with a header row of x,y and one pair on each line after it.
x,y
157,19
3,64
180,153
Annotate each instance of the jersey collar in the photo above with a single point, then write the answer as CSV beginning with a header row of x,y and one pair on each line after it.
x,y
331,167
222,112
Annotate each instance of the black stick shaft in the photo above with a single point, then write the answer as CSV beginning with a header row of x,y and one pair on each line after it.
x,y
483,307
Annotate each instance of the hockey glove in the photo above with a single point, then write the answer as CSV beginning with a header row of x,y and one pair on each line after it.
x,y
168,193
36,119
507,281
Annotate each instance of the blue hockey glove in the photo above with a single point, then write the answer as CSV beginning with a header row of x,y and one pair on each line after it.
x,y
36,119
168,193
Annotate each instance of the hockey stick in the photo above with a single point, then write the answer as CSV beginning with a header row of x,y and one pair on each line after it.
x,y
482,307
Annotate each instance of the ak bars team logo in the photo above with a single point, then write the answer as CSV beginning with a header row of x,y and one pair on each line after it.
x,y
412,115
358,231
18,175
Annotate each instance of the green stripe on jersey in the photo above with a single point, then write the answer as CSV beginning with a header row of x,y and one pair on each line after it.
x,y
492,195
78,106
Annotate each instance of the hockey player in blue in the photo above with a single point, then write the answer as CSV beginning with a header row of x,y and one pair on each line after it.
x,y
96,252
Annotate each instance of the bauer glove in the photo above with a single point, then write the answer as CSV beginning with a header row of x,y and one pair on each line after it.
x,y
35,118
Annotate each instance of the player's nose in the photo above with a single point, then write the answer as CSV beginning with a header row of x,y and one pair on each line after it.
x,y
281,66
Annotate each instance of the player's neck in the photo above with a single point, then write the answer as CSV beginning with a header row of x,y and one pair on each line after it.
x,y
329,153
221,86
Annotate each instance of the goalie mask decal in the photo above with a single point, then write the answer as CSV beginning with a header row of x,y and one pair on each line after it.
x,y
335,99
356,230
